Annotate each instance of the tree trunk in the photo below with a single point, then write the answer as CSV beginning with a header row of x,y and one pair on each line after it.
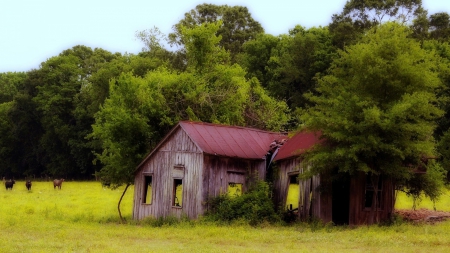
x,y
120,200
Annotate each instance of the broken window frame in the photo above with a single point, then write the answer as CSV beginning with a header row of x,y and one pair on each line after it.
x,y
177,202
368,193
147,177
290,176
177,175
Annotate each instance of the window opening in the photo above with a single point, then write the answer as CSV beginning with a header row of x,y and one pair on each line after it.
x,y
293,195
369,190
147,198
177,192
234,189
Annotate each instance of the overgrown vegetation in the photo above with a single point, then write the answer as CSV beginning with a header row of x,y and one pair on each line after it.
x,y
254,206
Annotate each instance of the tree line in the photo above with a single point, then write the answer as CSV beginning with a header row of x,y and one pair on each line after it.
x,y
379,67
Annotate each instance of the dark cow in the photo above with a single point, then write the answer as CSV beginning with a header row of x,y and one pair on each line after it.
x,y
28,184
57,182
9,184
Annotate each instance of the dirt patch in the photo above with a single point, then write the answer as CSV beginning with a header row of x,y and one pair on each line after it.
x,y
423,215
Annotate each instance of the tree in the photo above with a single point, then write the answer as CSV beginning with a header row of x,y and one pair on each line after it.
x,y
25,130
141,110
440,26
360,15
295,63
256,54
236,28
154,48
377,108
66,101
10,83
6,139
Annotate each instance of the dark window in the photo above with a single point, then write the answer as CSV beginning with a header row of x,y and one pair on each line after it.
x,y
147,198
177,192
369,190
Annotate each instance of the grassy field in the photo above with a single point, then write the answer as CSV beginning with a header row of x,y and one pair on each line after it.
x,y
82,217
403,202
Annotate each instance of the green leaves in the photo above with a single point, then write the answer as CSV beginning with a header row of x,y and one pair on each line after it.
x,y
377,106
236,26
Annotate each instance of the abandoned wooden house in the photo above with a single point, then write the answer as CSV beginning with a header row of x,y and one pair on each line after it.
x,y
195,161
198,160
339,198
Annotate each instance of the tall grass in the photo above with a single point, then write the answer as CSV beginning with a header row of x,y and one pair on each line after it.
x,y
82,217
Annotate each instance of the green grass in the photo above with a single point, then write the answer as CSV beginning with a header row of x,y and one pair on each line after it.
x,y
405,202
82,217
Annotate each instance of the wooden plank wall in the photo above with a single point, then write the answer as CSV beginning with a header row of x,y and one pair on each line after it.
x,y
309,195
358,214
178,150
315,197
219,171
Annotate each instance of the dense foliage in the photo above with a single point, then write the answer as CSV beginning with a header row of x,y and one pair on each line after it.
x,y
254,206
377,109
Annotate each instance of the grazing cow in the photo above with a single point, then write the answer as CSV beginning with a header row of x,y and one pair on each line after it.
x,y
9,184
57,182
28,184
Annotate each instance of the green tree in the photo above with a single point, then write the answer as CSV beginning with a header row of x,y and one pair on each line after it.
x,y
236,28
67,102
141,110
376,108
154,48
298,59
6,139
256,54
26,155
10,84
360,15
439,24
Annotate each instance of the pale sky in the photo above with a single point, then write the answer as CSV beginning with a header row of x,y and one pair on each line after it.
x,y
31,31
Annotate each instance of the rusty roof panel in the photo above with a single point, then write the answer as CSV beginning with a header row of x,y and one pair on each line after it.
x,y
297,144
230,141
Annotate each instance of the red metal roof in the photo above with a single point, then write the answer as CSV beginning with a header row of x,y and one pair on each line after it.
x,y
297,144
230,141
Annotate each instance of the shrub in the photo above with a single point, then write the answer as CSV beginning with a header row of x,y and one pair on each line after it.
x,y
254,206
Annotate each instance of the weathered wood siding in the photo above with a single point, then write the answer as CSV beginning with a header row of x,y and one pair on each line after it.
x,y
310,200
220,171
358,213
315,197
178,157
203,176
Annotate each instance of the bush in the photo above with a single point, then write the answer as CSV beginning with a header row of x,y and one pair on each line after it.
x,y
254,206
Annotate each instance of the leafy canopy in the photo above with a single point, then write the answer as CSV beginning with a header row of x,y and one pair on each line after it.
x,y
376,108
141,110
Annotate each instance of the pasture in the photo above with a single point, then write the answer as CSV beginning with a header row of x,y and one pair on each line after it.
x,y
82,217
